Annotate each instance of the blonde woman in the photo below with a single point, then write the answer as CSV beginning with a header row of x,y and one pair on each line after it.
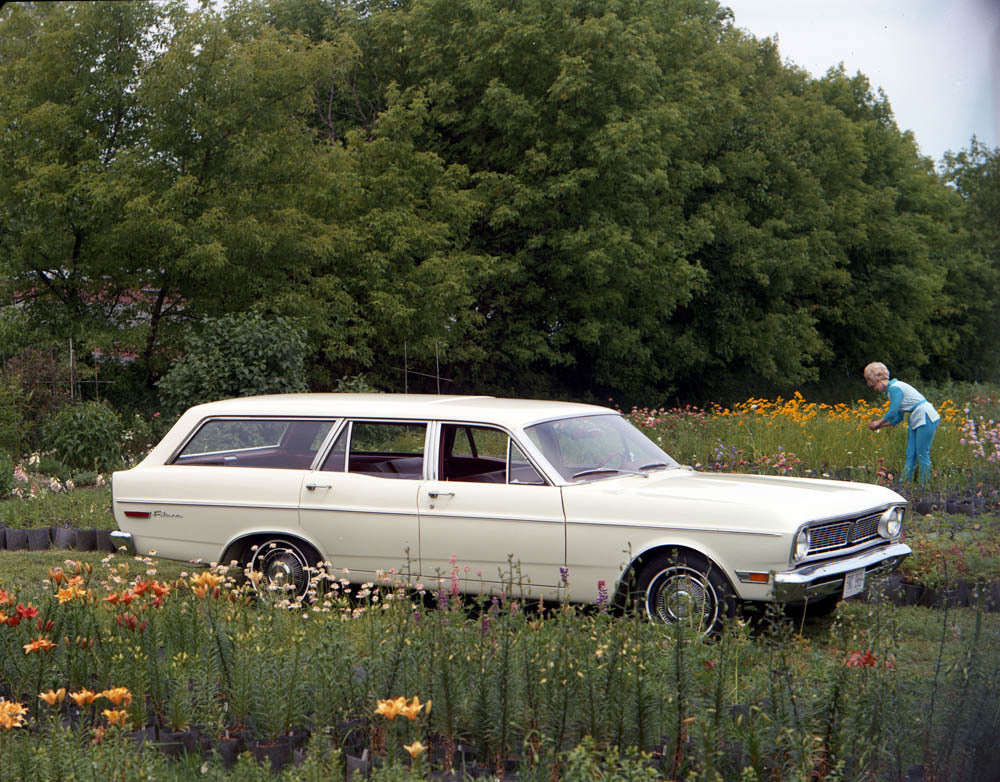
x,y
924,419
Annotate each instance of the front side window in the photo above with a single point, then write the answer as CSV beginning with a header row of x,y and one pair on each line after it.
x,y
255,442
381,449
483,454
597,446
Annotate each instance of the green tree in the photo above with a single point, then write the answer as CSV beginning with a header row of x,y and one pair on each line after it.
x,y
975,175
237,355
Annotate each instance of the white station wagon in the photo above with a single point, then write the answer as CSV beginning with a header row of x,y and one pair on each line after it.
x,y
573,494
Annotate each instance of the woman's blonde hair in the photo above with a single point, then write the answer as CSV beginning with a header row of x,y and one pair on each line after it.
x,y
876,371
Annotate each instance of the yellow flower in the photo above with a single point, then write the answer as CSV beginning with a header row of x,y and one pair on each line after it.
x,y
84,697
71,592
118,696
416,749
116,717
390,707
412,709
53,697
11,714
206,580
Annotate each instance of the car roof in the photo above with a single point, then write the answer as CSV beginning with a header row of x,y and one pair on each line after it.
x,y
473,409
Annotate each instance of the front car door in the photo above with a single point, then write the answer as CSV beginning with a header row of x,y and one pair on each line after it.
x,y
488,516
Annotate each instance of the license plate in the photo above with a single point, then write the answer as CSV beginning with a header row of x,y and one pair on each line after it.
x,y
854,582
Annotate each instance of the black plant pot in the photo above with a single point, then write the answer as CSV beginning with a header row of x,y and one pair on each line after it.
x,y
993,596
176,743
276,751
63,537
142,736
86,539
229,749
39,539
16,539
103,538
357,767
3,536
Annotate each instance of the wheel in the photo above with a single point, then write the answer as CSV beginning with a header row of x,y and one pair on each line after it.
x,y
685,587
284,564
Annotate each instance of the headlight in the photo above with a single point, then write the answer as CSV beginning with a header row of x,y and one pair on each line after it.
x,y
891,522
801,545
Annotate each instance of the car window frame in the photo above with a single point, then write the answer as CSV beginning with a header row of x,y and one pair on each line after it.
x,y
346,424
511,438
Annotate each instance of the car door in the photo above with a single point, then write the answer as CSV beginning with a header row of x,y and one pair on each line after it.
x,y
361,504
488,508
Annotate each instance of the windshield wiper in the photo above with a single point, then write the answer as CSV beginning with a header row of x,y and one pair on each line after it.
x,y
607,471
654,466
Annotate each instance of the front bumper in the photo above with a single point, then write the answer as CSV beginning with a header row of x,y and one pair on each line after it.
x,y
121,539
821,579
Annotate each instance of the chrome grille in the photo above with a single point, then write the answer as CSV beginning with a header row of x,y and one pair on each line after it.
x,y
841,534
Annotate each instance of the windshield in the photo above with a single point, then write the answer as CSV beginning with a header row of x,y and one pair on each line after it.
x,y
597,446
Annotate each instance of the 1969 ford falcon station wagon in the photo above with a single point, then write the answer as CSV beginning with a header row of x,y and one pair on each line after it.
x,y
581,501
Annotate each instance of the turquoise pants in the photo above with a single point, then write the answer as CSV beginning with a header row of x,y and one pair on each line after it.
x,y
918,449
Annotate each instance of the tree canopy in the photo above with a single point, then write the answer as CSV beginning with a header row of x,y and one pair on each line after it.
x,y
590,198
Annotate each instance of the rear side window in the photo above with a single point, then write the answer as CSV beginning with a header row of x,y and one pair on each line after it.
x,y
383,449
250,442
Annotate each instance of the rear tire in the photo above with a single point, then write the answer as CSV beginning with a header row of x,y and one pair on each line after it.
x,y
284,564
685,587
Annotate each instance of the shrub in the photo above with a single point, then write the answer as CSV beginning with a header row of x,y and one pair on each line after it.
x,y
6,474
354,384
237,355
86,436
51,467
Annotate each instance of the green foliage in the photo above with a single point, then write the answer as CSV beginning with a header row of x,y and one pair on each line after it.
x,y
633,198
86,435
13,403
237,355
6,474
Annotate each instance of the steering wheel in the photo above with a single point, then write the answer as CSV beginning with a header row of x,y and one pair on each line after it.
x,y
621,457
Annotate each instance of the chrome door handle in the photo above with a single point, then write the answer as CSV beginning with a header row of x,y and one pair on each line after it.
x,y
436,494
314,486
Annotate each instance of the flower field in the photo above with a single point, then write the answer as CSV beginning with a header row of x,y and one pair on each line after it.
x,y
797,437
404,681
127,668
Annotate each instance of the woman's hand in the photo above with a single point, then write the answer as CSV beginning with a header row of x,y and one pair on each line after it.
x,y
875,425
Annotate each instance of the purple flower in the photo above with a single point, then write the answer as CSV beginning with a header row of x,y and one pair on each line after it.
x,y
602,596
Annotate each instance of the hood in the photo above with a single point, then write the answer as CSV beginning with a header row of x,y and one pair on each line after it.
x,y
731,499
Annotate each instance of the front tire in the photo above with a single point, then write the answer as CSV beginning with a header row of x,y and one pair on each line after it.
x,y
685,587
283,564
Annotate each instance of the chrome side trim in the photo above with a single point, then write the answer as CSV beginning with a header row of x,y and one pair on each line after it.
x,y
490,517
665,528
125,500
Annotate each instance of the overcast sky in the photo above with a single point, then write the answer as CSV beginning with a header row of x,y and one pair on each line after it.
x,y
937,60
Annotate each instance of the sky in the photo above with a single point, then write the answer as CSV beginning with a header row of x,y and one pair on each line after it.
x,y
938,61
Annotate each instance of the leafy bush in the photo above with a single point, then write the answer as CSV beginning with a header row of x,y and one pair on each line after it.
x,y
237,355
51,467
87,435
355,384
6,474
